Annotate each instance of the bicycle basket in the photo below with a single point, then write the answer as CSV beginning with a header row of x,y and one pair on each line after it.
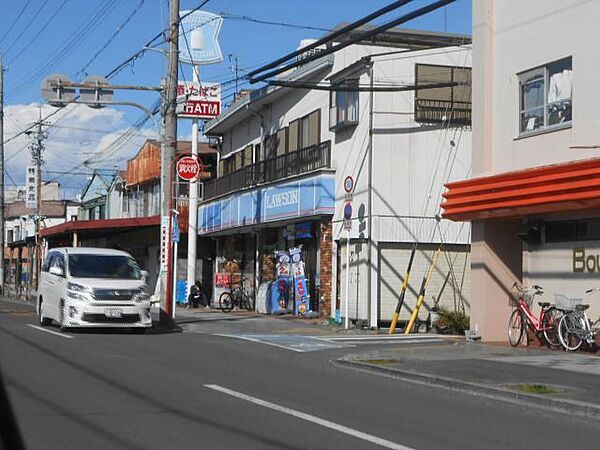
x,y
567,301
528,297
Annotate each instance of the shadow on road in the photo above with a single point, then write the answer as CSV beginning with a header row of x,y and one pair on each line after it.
x,y
114,383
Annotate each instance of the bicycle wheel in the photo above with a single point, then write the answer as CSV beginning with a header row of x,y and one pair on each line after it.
x,y
246,303
550,321
570,329
226,302
516,328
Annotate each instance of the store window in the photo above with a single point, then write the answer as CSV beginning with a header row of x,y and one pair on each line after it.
x,y
546,96
573,230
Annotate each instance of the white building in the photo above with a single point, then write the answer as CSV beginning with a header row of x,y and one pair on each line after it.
x,y
286,152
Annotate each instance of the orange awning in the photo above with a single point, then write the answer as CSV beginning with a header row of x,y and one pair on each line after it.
x,y
567,186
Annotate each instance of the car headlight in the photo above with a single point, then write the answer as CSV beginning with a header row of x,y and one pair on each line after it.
x,y
79,291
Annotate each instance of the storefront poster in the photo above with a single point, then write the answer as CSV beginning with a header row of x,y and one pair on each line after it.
x,y
282,266
302,304
222,280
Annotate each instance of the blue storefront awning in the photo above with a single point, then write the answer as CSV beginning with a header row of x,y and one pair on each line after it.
x,y
306,197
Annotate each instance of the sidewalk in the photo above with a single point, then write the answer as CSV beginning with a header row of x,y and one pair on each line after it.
x,y
502,372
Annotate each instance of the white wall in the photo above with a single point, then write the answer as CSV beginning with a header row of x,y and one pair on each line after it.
x,y
509,40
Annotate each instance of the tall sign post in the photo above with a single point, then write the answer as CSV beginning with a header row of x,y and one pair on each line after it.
x,y
198,44
349,188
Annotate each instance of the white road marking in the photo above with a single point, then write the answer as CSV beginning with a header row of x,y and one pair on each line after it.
x,y
379,337
246,338
310,418
67,336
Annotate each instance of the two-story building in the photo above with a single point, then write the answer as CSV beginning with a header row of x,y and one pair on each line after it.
x,y
533,199
363,112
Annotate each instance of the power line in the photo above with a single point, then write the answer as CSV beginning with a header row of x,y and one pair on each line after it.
x,y
112,38
39,32
27,26
15,21
268,22
92,22
148,44
352,40
332,36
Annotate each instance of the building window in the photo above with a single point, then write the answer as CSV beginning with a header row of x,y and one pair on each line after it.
x,y
545,96
343,105
572,230
448,104
309,130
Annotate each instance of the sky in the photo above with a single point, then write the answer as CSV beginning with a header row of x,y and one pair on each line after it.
x,y
81,38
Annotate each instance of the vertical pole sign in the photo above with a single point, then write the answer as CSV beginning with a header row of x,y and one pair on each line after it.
x,y
198,45
349,188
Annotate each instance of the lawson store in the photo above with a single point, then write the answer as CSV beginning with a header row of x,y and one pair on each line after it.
x,y
250,226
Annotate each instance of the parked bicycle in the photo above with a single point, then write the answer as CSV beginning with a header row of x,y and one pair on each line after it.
x,y
574,328
235,298
545,326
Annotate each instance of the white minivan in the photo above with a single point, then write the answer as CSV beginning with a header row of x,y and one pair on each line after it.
x,y
93,287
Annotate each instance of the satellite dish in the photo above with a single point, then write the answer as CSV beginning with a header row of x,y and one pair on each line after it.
x,y
56,92
95,96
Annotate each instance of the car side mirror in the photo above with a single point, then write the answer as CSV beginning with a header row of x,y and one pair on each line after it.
x,y
55,270
145,274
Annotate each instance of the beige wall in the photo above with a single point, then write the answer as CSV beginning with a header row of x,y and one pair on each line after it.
x,y
511,37
496,263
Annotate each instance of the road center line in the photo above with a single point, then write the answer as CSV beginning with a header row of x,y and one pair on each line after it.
x,y
310,418
67,336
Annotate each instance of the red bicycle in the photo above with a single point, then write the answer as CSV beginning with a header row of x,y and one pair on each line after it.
x,y
545,326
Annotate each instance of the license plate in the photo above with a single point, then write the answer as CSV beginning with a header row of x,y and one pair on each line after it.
x,y
113,312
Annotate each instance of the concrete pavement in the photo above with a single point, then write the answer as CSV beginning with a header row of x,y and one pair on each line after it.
x,y
495,371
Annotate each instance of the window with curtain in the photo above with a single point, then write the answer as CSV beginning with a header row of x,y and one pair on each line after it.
x,y
545,96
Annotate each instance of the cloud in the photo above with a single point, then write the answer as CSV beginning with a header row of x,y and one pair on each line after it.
x,y
79,139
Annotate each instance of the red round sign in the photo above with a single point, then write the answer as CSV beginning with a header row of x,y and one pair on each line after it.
x,y
188,168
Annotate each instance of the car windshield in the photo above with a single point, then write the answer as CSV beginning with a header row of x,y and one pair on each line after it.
x,y
103,266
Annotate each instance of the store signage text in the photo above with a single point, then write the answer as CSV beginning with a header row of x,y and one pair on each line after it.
x,y
585,263
282,199
198,100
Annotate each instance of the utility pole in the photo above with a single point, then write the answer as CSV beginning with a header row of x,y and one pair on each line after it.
x,y
1,175
37,147
168,150
235,70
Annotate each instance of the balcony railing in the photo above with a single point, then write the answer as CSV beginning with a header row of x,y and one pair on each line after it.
x,y
293,163
440,111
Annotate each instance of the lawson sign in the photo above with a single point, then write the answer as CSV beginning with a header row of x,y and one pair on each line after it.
x,y
307,197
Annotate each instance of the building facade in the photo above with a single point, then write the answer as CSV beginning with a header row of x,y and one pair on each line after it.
x,y
533,199
287,149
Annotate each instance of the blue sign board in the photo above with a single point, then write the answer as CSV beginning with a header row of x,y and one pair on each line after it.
x,y
175,229
198,38
307,197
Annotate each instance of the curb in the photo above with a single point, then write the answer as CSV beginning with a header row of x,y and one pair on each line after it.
x,y
537,401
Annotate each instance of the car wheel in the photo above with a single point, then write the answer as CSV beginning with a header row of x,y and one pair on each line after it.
x,y
44,321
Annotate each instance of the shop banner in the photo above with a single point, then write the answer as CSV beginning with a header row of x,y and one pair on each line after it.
x,y
302,304
282,265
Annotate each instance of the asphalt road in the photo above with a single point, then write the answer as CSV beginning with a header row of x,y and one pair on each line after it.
x,y
200,390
